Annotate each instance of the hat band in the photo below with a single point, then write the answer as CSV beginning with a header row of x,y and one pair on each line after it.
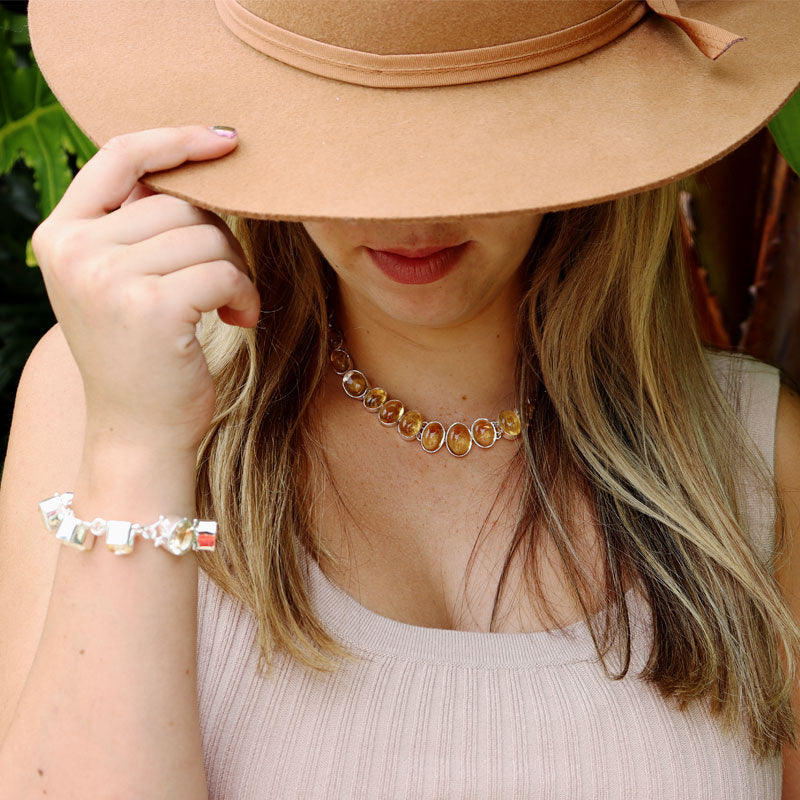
x,y
474,65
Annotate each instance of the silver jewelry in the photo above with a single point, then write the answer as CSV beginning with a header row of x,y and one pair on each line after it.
x,y
177,535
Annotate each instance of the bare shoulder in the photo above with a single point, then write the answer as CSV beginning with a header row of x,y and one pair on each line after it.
x,y
787,479
787,573
44,450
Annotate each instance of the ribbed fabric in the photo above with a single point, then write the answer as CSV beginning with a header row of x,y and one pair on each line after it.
x,y
431,713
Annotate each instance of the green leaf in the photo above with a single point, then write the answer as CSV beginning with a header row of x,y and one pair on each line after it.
x,y
785,130
33,125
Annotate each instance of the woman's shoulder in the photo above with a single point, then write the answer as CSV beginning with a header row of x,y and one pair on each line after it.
x,y
752,387
749,383
728,362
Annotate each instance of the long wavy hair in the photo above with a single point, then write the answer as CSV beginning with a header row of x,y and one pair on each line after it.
x,y
627,411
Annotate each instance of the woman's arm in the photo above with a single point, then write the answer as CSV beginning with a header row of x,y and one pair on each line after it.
x,y
106,702
787,477
109,704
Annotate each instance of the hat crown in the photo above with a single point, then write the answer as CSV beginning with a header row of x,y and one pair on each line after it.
x,y
390,27
426,43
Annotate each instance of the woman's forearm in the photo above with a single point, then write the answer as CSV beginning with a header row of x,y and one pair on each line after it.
x,y
109,707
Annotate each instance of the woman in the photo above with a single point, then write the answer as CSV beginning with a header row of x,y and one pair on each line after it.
x,y
407,603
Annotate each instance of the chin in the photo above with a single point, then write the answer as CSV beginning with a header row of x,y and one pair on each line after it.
x,y
432,307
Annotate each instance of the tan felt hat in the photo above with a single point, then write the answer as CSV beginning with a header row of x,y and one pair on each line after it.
x,y
424,109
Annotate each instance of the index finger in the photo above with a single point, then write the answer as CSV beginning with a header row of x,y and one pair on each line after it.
x,y
110,175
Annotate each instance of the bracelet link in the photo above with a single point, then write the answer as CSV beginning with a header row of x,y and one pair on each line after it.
x,y
74,533
180,537
53,509
205,534
119,537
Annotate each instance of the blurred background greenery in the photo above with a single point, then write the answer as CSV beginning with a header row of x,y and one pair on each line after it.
x,y
41,149
740,221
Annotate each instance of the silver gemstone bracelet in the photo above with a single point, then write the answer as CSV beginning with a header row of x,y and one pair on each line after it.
x,y
177,535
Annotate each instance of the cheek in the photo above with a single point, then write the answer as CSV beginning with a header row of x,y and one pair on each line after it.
x,y
503,261
337,244
502,258
510,241
325,237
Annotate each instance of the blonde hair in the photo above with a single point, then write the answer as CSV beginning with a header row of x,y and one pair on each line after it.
x,y
627,411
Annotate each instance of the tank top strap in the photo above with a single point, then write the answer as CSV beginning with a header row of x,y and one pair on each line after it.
x,y
752,386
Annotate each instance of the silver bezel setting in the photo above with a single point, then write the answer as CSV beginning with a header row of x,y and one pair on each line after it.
x,y
503,434
472,435
422,433
402,411
75,533
119,536
364,399
335,339
346,375
349,360
415,435
181,537
205,534
447,444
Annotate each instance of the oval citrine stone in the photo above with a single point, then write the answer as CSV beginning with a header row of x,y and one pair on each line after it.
x,y
458,439
354,383
410,425
432,437
375,398
483,432
390,412
510,424
341,362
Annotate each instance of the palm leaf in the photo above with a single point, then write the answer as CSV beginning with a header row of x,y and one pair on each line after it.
x,y
785,130
33,125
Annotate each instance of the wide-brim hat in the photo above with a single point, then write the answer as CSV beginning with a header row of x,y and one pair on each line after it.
x,y
423,109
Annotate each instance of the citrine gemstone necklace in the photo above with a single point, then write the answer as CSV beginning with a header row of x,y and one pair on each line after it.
x,y
458,438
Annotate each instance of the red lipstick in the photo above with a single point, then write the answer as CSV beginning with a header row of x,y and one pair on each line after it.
x,y
424,265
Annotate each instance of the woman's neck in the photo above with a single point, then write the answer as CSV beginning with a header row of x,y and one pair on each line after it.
x,y
459,371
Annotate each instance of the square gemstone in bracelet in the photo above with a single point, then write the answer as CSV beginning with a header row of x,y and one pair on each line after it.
x,y
205,534
119,537
52,510
55,508
75,533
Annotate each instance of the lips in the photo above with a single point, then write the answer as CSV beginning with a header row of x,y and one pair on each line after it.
x,y
420,252
435,264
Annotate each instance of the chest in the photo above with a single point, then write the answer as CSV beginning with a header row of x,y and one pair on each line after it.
x,y
423,539
438,714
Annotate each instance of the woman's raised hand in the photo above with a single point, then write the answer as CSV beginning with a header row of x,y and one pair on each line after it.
x,y
128,288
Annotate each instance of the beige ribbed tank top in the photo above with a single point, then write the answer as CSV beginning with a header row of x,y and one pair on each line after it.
x,y
432,713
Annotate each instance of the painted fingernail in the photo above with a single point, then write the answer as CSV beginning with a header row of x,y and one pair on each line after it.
x,y
223,130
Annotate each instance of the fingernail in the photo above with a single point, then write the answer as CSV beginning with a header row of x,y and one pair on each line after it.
x,y
223,130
